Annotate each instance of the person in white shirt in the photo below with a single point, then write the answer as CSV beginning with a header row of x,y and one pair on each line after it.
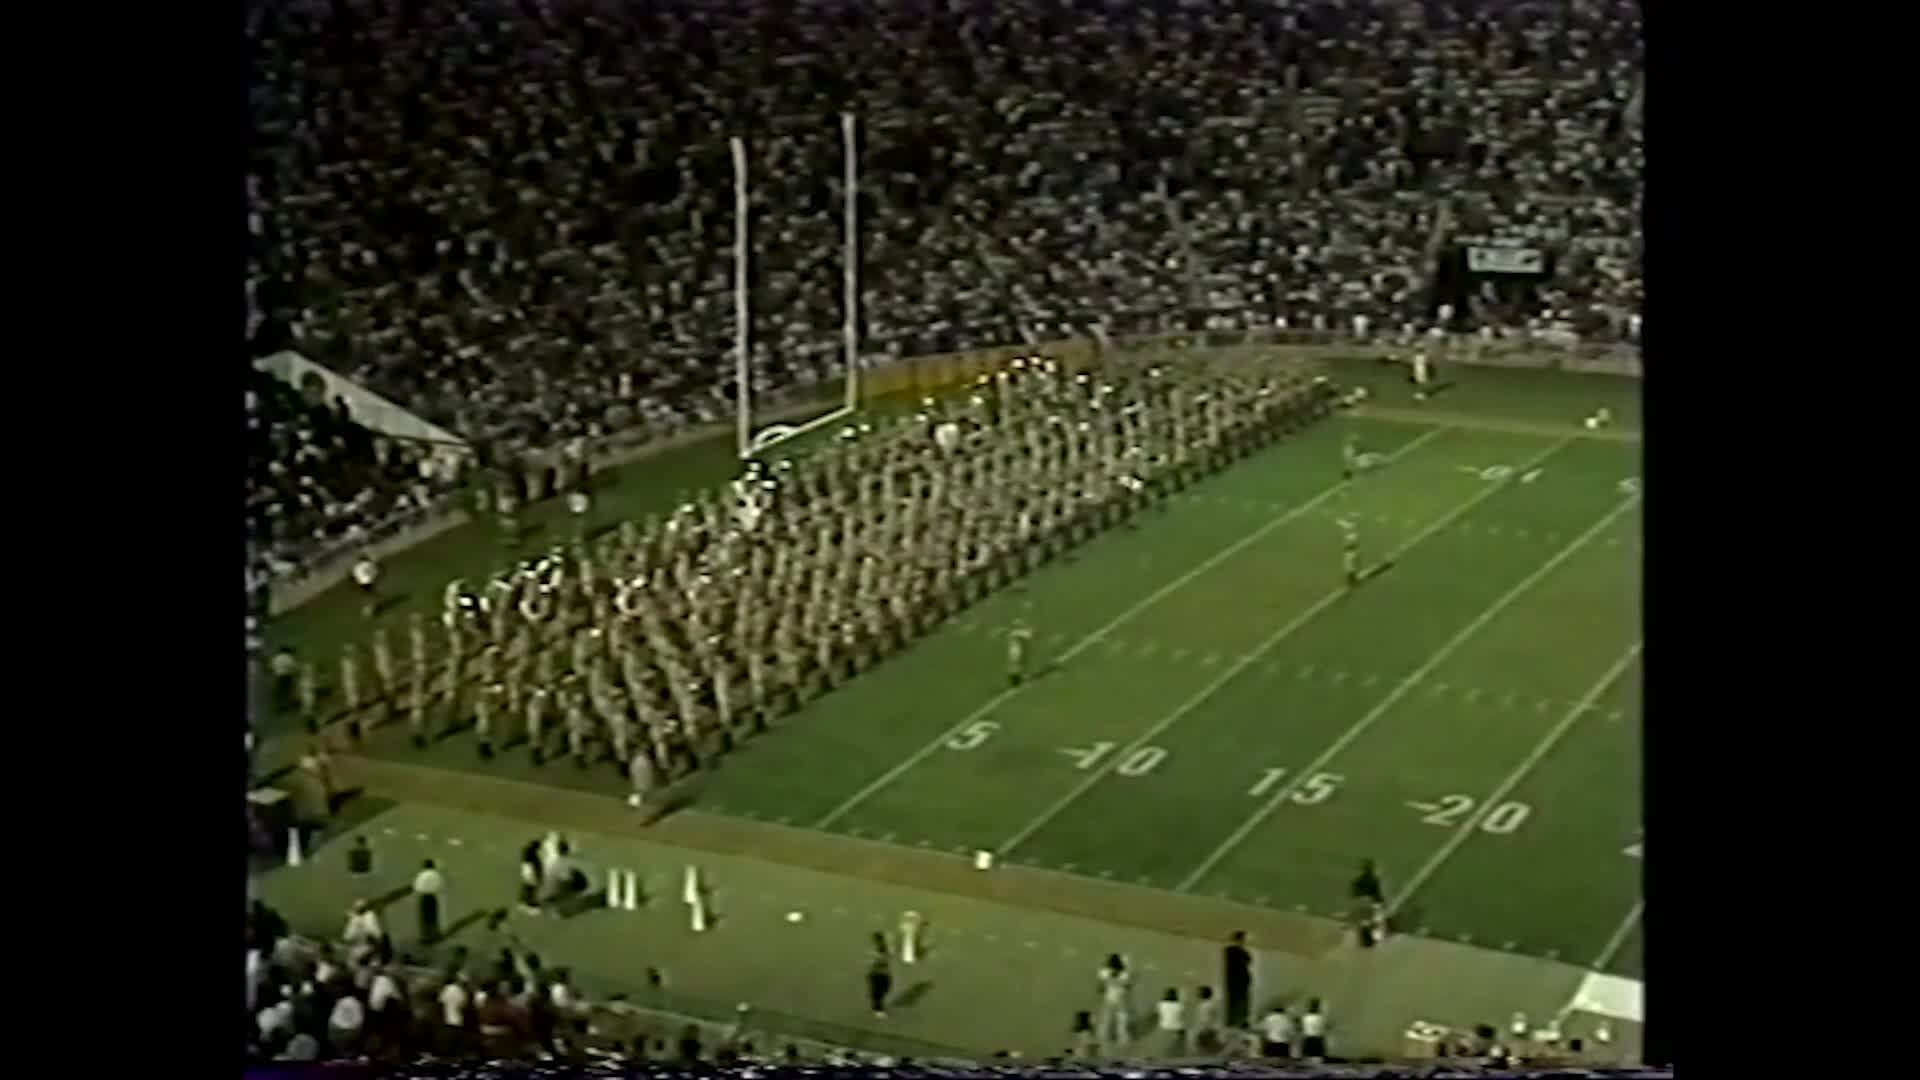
x,y
346,1021
1276,1034
1171,1015
453,1004
383,993
363,932
366,574
1113,1022
256,977
1206,1022
427,885
1313,1032
276,1019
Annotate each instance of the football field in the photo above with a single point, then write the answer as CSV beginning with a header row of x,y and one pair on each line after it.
x,y
1217,713
1211,711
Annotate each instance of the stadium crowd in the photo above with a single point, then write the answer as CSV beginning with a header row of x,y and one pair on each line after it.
x,y
516,218
315,478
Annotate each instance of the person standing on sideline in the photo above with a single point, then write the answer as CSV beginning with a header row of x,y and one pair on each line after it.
x,y
1172,1015
360,858
532,876
1114,1020
879,977
1206,1022
1313,1032
1084,1044
366,576
427,886
1238,980
1276,1034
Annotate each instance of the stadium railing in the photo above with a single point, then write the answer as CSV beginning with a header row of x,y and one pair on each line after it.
x,y
940,371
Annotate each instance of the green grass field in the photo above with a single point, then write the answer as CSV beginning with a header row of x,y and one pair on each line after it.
x,y
1218,717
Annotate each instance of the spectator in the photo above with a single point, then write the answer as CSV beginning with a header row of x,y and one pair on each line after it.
x,y
345,1023
1085,1043
1206,1022
1115,1018
1172,1017
427,886
1276,1033
1313,1032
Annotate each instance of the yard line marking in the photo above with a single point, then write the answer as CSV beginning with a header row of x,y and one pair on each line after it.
x,y
1619,937
1119,620
1233,670
1393,697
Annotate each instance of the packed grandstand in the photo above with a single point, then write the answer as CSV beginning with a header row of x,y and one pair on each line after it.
x,y
514,219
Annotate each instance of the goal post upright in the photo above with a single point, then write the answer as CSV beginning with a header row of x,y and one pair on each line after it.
x,y
850,271
743,364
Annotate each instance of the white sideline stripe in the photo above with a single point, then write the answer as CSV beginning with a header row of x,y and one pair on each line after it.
x,y
1465,829
1090,640
1393,696
1251,657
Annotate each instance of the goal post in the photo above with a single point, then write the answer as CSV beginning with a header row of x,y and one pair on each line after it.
x,y
752,439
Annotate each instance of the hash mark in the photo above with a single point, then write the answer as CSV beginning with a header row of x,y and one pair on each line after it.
x,y
1307,672
1521,533
1145,880
1542,706
1031,944
1615,715
855,831
1339,677
995,938
1510,946
1106,873
391,831
422,837
453,841
1262,901
1179,654
1300,907
1270,669
1493,528
1439,689
1553,954
1422,932
1066,868
1466,939
1507,701
838,910
789,821
922,843
1473,695
1372,678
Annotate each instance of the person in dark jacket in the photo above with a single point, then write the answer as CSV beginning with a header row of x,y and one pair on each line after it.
x,y
879,977
1238,979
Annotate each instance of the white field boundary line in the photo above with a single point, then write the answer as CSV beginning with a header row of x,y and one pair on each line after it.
x,y
1463,831
1094,638
1253,656
1393,697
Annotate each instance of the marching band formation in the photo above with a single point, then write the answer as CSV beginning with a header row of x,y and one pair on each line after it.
x,y
663,643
